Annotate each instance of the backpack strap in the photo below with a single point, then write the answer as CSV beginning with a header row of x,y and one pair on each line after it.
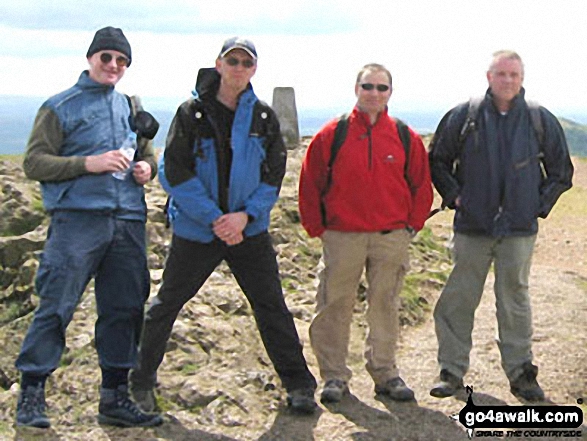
x,y
536,120
404,136
470,124
340,133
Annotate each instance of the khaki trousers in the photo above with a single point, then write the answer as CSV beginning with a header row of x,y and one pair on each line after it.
x,y
454,313
385,259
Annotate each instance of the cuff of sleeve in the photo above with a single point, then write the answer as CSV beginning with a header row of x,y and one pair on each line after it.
x,y
211,217
251,214
79,165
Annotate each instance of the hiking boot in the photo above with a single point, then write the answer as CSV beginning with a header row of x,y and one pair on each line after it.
x,y
116,409
526,386
395,389
145,399
30,408
302,400
333,391
448,385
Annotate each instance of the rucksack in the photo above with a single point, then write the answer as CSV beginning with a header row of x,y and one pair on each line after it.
x,y
470,126
141,122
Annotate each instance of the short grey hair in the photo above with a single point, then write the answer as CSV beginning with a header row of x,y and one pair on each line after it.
x,y
505,53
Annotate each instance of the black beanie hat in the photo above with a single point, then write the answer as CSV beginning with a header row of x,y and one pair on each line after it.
x,y
110,38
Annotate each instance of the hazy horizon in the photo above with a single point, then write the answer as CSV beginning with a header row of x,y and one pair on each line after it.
x,y
17,115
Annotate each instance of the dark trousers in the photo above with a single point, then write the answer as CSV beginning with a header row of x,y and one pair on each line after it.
x,y
254,265
82,245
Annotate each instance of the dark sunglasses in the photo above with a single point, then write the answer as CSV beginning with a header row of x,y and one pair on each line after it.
x,y
371,86
232,61
106,58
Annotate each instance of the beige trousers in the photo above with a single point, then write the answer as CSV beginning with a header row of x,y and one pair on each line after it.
x,y
385,259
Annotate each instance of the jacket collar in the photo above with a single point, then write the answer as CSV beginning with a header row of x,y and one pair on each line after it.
x,y
518,100
363,117
85,82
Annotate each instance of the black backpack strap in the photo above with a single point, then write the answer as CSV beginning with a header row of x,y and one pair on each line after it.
x,y
340,133
470,124
536,120
339,137
404,136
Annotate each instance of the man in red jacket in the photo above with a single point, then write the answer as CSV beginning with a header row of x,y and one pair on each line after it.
x,y
365,217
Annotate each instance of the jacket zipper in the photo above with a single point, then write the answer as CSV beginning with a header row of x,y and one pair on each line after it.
x,y
370,148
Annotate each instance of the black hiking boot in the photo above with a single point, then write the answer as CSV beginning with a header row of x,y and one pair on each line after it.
x,y
117,409
526,386
448,385
31,407
302,400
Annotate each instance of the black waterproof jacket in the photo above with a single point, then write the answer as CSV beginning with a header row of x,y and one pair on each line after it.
x,y
504,178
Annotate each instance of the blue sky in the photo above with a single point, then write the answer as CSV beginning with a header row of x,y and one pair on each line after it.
x,y
437,51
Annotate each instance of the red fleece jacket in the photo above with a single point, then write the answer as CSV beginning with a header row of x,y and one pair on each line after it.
x,y
369,192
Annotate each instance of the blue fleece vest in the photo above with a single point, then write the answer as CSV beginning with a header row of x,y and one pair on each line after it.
x,y
94,119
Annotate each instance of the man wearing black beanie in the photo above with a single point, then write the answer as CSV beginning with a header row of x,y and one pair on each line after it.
x,y
97,230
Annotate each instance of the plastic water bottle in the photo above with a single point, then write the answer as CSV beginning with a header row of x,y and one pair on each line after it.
x,y
128,148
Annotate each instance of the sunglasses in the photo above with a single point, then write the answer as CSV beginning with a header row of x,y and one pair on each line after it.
x,y
232,61
371,86
106,58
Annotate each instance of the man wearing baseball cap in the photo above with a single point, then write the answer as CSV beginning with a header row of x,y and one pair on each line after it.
x,y
223,166
97,231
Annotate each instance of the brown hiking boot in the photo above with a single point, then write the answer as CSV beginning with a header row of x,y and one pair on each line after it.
x,y
396,389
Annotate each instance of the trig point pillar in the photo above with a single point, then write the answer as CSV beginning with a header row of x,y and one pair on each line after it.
x,y
284,104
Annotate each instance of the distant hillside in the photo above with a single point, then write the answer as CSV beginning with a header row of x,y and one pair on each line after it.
x,y
576,136
17,114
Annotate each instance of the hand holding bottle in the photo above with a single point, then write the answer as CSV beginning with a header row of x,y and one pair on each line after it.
x,y
128,149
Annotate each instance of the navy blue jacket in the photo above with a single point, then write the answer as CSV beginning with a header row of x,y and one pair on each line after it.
x,y
191,174
504,179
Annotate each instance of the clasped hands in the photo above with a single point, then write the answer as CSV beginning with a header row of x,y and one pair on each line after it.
x,y
229,227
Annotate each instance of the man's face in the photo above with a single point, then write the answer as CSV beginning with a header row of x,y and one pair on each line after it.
x,y
373,101
236,68
505,79
107,67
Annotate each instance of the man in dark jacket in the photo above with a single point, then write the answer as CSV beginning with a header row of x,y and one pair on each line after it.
x,y
223,166
509,173
97,230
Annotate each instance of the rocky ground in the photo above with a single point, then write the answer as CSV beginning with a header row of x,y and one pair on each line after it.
x,y
217,382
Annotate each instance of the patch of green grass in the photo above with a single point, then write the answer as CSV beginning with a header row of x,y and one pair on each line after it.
x,y
9,313
189,369
6,430
288,284
72,354
17,159
37,205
